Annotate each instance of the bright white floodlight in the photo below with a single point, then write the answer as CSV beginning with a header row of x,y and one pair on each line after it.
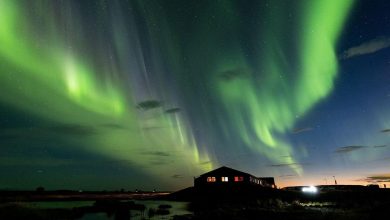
x,y
309,189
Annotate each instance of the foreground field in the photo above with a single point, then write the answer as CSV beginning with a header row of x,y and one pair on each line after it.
x,y
196,205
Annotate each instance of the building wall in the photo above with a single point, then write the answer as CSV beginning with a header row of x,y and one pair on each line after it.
x,y
229,177
202,180
247,180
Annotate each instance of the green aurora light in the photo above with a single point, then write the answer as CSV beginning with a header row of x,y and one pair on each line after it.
x,y
262,77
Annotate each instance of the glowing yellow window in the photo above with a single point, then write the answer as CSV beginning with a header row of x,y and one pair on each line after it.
x,y
238,178
225,179
211,179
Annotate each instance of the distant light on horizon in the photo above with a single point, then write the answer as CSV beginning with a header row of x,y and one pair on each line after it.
x,y
309,189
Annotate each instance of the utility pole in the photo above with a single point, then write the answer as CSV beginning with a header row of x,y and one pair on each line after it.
x,y
335,181
326,181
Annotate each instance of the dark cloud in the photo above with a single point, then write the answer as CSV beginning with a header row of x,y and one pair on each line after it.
x,y
156,153
154,127
348,149
172,110
149,104
177,176
368,47
378,178
300,130
385,130
232,74
288,164
379,146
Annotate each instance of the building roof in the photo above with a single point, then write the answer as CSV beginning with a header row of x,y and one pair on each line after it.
x,y
225,169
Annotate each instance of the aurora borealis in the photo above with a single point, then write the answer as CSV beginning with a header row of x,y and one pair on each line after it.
x,y
147,94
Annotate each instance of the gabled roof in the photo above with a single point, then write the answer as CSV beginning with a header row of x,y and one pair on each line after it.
x,y
225,169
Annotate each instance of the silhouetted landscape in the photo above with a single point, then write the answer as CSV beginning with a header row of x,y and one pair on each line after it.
x,y
190,203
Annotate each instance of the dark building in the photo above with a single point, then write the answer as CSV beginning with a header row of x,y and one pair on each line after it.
x,y
225,176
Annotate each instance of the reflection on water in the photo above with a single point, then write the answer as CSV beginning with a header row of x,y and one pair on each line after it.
x,y
59,204
96,216
152,210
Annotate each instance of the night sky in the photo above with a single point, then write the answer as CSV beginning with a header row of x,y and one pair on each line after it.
x,y
144,94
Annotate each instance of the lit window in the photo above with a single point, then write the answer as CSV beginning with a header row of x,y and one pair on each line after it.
x,y
225,179
211,179
238,178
